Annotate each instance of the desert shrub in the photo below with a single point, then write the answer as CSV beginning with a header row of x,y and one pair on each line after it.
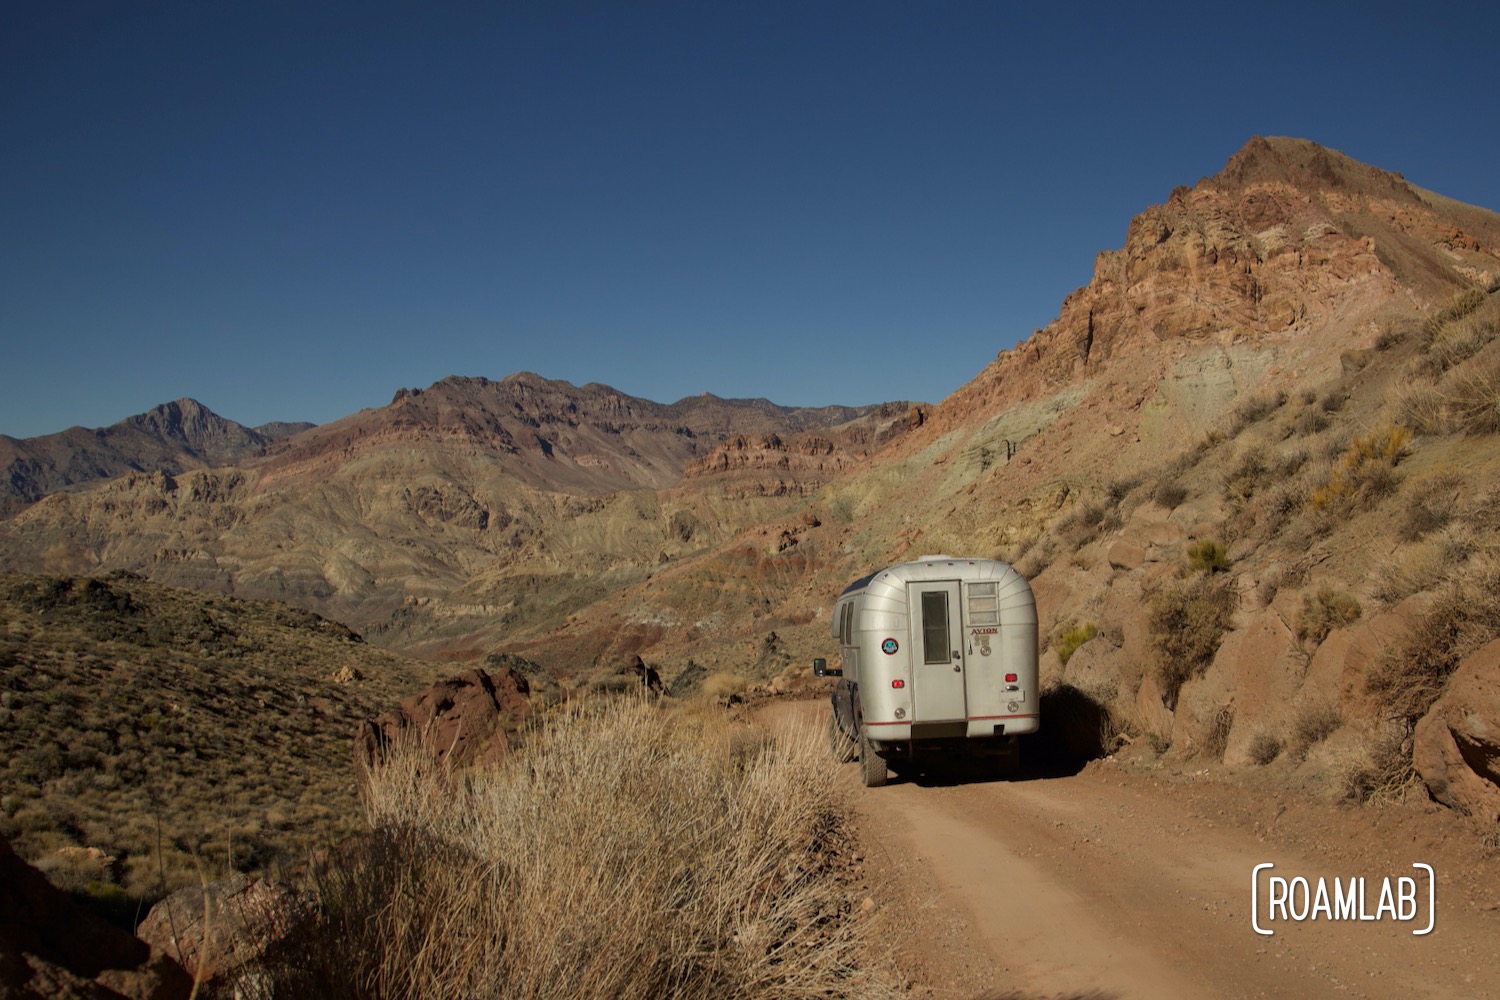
x,y
1038,558
1313,723
1208,556
1264,748
583,866
1324,611
1289,463
1254,410
1467,401
1474,399
1187,623
1459,342
1247,475
1072,638
1364,473
1389,338
1216,734
1382,769
1119,489
1456,308
1169,494
1409,572
1430,505
1410,675
1083,523
1331,402
1084,515
1423,408
1310,421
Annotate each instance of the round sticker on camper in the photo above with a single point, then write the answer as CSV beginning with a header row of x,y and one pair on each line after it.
x,y
889,646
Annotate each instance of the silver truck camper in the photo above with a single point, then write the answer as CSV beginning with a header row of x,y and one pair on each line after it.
x,y
936,655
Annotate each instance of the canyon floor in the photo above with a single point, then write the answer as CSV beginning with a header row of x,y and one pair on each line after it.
x,y
1132,879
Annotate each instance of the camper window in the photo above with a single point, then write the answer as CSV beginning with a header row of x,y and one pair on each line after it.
x,y
935,645
984,607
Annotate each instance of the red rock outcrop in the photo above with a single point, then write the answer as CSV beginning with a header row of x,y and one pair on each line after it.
x,y
50,947
1456,745
1278,244
246,919
463,720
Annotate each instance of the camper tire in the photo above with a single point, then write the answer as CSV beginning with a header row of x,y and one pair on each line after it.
x,y
871,764
840,745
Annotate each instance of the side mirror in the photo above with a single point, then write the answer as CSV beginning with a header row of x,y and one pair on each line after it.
x,y
820,669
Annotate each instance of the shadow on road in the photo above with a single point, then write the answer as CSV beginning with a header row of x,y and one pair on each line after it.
x,y
1070,737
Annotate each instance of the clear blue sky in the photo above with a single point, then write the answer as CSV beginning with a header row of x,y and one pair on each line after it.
x,y
288,209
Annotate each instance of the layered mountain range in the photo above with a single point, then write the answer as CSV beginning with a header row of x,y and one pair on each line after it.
x,y
171,438
1277,400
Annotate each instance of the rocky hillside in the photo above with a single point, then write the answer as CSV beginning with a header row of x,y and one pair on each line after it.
x,y
171,438
1252,468
140,725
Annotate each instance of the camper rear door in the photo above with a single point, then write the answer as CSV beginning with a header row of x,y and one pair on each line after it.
x,y
938,661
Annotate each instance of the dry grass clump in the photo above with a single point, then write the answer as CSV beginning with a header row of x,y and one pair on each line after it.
x,y
1322,612
1458,376
1216,734
1464,401
1411,675
1254,410
1364,474
1082,524
1038,557
1208,556
1430,504
1456,308
1264,748
1381,769
1187,624
722,686
1247,475
1313,723
1072,638
1169,494
628,852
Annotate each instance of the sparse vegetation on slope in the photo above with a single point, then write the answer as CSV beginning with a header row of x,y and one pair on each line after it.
x,y
154,725
628,851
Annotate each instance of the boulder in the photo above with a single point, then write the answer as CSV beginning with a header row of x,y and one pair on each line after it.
x,y
1123,555
1456,745
463,720
51,947
246,919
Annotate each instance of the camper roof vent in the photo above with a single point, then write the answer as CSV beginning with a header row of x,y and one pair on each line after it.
x,y
933,558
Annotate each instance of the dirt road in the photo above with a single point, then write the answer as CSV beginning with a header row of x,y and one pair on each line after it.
x,y
1129,880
